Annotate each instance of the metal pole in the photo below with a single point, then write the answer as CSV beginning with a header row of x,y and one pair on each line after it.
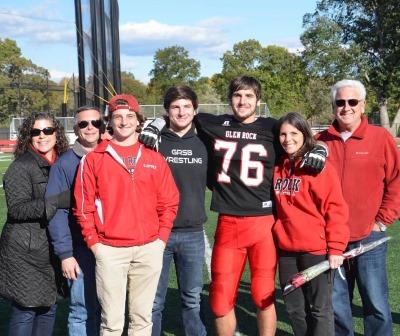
x,y
19,96
47,107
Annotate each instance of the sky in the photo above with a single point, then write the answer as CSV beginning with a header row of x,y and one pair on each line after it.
x,y
45,30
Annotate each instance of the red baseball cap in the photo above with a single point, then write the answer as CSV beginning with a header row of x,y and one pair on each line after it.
x,y
123,101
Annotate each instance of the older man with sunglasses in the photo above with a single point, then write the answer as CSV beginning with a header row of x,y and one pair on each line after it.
x,y
368,165
78,263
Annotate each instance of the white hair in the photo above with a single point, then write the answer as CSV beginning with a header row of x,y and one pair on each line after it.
x,y
356,84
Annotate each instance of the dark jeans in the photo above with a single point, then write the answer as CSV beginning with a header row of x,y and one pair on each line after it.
x,y
187,251
38,321
369,272
310,306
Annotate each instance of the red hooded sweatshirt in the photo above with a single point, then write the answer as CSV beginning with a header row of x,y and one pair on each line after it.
x,y
312,213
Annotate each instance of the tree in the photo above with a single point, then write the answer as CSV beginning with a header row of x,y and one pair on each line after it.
x,y
280,72
326,60
243,59
133,86
205,91
374,26
25,86
324,54
283,80
172,66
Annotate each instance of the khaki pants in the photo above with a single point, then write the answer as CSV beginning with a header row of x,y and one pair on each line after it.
x,y
136,269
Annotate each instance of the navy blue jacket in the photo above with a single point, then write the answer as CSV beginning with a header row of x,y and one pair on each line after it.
x,y
65,233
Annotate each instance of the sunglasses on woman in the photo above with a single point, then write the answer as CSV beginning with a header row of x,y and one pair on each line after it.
x,y
85,123
351,102
46,131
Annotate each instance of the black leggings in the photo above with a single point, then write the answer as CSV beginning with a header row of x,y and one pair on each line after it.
x,y
310,306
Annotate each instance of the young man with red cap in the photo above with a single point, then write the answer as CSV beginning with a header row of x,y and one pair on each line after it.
x,y
126,202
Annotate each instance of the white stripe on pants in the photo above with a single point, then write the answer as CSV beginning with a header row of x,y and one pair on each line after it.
x,y
136,269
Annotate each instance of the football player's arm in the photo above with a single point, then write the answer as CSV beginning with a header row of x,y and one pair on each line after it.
x,y
314,160
151,133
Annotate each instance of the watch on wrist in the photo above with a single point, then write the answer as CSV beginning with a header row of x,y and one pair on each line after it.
x,y
382,227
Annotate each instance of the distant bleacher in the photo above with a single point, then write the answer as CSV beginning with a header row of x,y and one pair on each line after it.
x,y
7,146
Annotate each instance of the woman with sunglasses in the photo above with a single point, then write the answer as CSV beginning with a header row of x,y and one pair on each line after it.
x,y
27,265
311,227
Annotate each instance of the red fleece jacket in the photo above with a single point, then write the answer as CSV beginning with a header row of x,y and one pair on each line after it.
x,y
368,165
117,208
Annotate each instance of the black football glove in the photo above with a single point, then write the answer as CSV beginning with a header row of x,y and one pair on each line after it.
x,y
59,201
151,134
314,160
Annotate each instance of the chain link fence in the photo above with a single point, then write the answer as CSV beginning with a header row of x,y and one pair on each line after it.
x,y
154,111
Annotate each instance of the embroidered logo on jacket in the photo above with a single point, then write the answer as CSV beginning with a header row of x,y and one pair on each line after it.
x,y
148,165
287,186
226,123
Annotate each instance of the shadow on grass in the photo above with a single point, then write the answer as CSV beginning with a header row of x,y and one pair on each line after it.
x,y
172,314
358,313
245,313
172,321
396,318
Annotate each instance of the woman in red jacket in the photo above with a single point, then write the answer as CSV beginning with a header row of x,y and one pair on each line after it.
x,y
311,227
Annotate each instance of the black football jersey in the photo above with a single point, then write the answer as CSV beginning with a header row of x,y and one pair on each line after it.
x,y
241,162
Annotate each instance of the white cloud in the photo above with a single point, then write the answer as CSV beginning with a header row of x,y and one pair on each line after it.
x,y
36,28
55,37
146,37
292,44
207,38
57,75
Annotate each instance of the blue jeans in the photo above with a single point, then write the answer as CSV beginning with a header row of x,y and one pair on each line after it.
x,y
37,321
84,310
369,272
187,250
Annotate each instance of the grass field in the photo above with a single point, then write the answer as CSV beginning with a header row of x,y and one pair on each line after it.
x,y
244,309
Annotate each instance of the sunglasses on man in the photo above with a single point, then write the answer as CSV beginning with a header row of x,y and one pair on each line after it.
x,y
46,131
85,123
351,102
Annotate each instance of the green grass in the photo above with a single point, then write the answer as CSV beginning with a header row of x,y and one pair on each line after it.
x,y
245,309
